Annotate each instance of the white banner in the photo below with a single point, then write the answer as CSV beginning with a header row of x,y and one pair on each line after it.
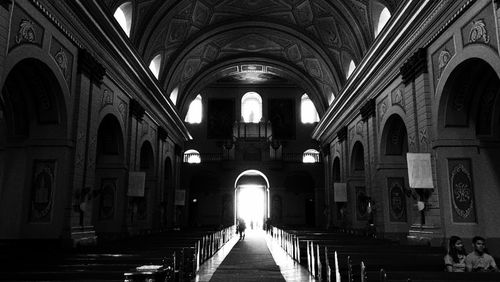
x,y
340,192
180,197
136,183
420,170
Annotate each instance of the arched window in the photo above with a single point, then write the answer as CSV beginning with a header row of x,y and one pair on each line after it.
x,y
195,111
173,95
352,67
381,16
308,113
154,66
123,16
331,98
192,157
310,156
251,107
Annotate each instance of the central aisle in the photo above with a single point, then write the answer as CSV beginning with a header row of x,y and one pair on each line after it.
x,y
249,260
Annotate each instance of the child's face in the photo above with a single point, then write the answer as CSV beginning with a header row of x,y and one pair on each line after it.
x,y
479,246
459,245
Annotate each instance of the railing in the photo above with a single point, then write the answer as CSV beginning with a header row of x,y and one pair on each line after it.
x,y
261,130
183,264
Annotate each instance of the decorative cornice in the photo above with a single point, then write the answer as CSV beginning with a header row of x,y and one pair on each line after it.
x,y
342,133
51,17
162,133
136,109
414,66
368,109
88,65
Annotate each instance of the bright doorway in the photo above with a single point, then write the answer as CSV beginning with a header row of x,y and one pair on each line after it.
x,y
251,205
252,194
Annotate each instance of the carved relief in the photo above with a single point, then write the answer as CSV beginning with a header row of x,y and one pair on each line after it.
x,y
107,98
201,14
313,67
122,108
62,61
26,32
412,143
293,53
424,139
145,128
397,97
42,190
462,191
443,60
478,32
328,31
359,128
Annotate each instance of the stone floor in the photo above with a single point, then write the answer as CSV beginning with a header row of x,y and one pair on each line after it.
x,y
257,258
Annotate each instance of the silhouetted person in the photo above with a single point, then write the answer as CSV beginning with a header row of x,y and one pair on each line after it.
x,y
454,260
241,229
478,260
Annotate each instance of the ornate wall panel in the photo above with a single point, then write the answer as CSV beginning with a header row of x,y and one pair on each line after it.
x,y
397,199
43,187
461,190
481,29
441,58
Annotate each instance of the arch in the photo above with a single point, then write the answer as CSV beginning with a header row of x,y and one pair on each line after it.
x,y
195,111
184,68
192,157
469,98
358,157
251,107
109,138
34,178
155,65
252,172
33,94
394,137
123,15
310,156
308,113
469,55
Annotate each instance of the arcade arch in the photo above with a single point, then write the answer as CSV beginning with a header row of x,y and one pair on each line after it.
x,y
33,140
467,133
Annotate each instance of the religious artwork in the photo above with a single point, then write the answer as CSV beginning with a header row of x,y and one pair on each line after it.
x,y
397,201
107,198
42,190
282,117
220,118
461,190
361,203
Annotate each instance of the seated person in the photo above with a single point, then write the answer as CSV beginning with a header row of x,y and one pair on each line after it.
x,y
478,260
454,260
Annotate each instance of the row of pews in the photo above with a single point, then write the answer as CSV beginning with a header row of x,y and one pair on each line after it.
x,y
350,256
167,256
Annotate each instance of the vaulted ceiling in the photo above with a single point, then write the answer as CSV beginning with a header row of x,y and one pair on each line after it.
x,y
308,42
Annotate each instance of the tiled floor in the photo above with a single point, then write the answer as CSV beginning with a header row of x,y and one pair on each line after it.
x,y
249,261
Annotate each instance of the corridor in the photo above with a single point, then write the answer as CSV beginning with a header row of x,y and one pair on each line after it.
x,y
257,258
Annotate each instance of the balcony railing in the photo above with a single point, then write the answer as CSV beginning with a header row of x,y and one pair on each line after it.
x,y
261,130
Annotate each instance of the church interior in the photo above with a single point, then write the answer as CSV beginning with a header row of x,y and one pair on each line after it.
x,y
354,136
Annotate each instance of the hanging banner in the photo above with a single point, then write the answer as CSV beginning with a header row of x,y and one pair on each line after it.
x,y
136,183
180,197
420,170
340,192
